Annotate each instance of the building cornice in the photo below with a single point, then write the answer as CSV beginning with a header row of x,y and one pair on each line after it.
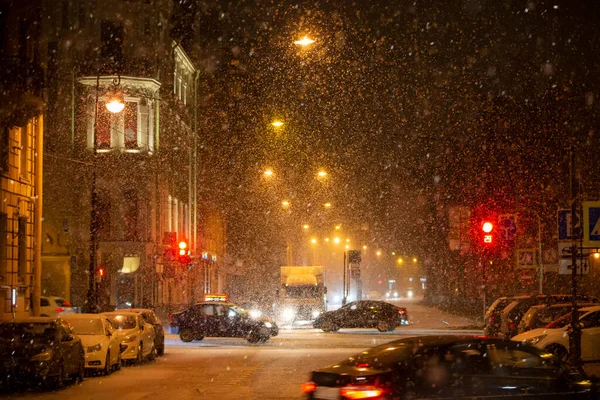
x,y
126,81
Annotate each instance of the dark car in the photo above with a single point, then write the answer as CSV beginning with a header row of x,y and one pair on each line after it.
x,y
493,315
544,314
513,313
363,314
448,367
220,320
43,349
150,317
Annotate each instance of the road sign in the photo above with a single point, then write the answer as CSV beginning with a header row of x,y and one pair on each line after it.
x,y
591,223
526,258
507,226
353,256
564,225
564,267
564,250
550,256
527,276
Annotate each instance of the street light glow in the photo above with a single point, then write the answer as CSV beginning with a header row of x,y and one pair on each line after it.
x,y
415,259
327,239
347,240
277,123
336,240
400,261
268,172
338,227
313,240
305,226
305,41
347,246
365,247
115,103
327,205
596,255
378,252
321,174
285,203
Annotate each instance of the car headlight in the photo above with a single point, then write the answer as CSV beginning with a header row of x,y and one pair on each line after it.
x,y
534,340
46,355
289,313
409,293
387,294
96,347
316,313
129,339
395,294
268,324
255,313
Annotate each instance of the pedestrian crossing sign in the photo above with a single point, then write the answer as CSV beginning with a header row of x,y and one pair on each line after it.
x,y
591,224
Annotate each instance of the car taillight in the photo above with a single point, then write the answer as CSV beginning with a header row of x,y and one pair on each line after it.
x,y
172,318
60,309
66,304
308,387
401,312
361,392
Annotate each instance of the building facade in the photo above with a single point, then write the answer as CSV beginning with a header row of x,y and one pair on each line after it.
x,y
21,135
120,185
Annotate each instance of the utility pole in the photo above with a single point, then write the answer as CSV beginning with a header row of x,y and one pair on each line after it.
x,y
575,332
344,282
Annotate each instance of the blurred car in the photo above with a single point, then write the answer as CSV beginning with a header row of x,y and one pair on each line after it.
x,y
544,314
99,339
151,318
54,306
493,315
363,314
41,349
221,320
513,313
133,332
448,367
554,338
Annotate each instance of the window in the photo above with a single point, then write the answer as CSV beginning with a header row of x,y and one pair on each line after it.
x,y
131,125
44,302
24,143
130,129
509,357
208,310
103,127
22,249
3,249
592,320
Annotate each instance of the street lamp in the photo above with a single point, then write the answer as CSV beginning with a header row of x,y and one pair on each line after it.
x,y
305,227
305,41
400,261
115,105
327,205
415,259
268,172
277,123
322,173
378,252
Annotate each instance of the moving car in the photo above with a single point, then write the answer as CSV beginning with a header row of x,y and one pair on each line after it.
x,y
448,367
363,314
52,306
135,334
42,349
554,338
99,339
222,320
151,318
544,314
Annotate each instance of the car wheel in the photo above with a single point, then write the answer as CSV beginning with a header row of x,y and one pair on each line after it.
x,y
186,335
384,326
81,370
107,367
57,381
119,363
152,355
558,350
329,326
161,350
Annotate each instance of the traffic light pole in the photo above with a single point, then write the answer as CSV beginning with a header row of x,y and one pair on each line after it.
x,y
575,331
344,292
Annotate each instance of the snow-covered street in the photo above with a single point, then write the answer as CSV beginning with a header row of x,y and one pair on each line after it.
x,y
223,368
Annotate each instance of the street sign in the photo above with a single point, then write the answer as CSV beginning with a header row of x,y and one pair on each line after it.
x,y
526,259
507,226
550,256
527,276
564,250
591,223
355,272
564,225
353,256
564,267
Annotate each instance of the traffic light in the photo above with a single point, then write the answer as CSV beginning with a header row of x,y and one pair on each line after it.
x,y
99,274
184,254
487,229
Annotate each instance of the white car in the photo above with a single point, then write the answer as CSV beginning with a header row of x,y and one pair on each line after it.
x,y
52,306
135,334
555,337
99,339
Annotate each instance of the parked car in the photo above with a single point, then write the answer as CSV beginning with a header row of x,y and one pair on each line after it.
x,y
100,341
363,314
493,315
42,349
222,320
554,338
513,313
151,318
543,314
135,334
54,306
448,367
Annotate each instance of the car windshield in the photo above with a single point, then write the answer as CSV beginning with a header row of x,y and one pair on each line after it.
x,y
92,326
302,291
27,332
123,321
381,357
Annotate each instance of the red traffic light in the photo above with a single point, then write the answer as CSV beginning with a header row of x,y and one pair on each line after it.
x,y
487,227
101,272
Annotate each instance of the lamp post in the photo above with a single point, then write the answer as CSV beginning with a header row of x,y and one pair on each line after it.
x,y
115,105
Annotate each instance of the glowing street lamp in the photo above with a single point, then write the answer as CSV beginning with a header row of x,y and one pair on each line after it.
x,y
336,240
338,227
365,247
327,240
400,261
327,205
322,174
305,41
313,240
415,259
115,103
305,227
268,172
285,204
347,246
378,252
277,123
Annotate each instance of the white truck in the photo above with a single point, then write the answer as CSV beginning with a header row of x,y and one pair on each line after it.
x,y
302,294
